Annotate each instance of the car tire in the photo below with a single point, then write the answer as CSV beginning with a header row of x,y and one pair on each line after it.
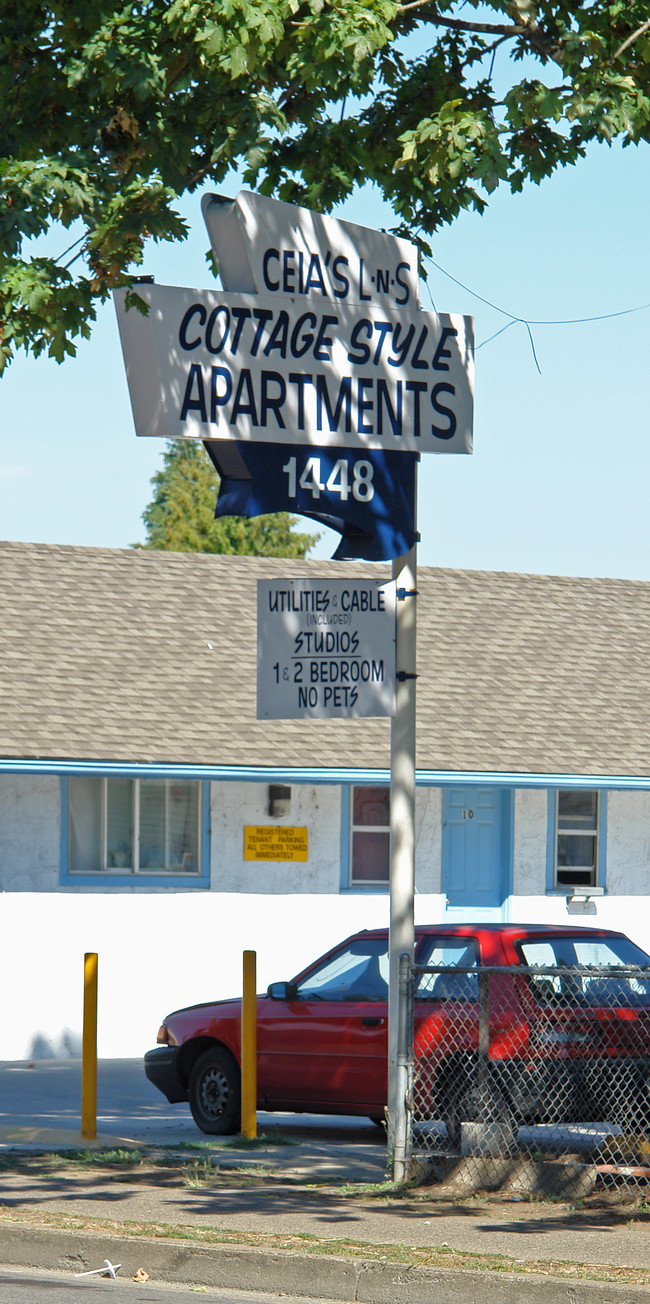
x,y
214,1093
474,1104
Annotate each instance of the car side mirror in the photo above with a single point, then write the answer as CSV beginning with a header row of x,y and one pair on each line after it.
x,y
282,991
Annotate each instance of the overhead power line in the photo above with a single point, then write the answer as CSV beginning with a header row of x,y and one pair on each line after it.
x,y
528,322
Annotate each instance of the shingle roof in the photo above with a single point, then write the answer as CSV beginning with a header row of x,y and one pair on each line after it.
x,y
105,655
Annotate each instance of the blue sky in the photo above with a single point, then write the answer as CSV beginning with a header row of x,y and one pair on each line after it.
x,y
559,479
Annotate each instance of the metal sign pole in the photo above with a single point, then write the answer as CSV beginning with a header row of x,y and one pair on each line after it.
x,y
402,846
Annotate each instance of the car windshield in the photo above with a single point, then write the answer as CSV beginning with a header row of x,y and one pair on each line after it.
x,y
620,970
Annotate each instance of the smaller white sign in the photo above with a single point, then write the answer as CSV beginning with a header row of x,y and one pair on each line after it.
x,y
325,649
264,246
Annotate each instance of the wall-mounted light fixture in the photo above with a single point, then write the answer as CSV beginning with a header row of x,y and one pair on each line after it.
x,y
279,799
584,893
580,900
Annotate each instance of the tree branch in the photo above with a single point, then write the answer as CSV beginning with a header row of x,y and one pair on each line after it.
x,y
631,39
461,25
538,39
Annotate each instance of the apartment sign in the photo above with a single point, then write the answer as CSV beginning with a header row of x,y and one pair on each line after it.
x,y
323,342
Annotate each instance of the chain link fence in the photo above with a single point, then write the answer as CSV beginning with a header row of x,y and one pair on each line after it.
x,y
529,1080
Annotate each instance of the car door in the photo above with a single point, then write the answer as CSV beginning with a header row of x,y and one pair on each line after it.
x,y
323,1042
447,998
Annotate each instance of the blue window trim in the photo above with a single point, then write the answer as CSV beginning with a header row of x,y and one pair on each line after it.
x,y
106,881
346,884
552,888
346,796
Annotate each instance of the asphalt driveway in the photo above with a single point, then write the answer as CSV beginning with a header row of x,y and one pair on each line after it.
x,y
45,1094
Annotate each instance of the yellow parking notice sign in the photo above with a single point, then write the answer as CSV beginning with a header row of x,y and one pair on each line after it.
x,y
271,842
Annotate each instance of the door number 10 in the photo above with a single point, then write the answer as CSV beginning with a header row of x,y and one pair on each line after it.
x,y
338,480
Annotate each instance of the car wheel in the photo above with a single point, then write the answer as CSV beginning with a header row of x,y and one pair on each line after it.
x,y
214,1093
479,1104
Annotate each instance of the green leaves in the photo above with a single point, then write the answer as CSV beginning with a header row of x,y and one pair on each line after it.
x,y
112,109
42,309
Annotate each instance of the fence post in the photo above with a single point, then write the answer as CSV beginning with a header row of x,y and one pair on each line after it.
x,y
249,1047
89,1050
483,1038
404,1076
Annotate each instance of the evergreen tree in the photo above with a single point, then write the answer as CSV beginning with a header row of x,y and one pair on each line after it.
x,y
180,516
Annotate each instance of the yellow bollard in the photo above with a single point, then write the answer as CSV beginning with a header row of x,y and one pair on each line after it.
x,y
89,1050
249,1047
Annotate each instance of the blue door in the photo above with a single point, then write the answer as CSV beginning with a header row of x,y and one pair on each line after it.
x,y
476,851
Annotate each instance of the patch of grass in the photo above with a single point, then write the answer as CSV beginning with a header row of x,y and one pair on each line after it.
x,y
57,1161
202,1173
202,1167
260,1142
118,1158
19,1160
199,1174
379,1189
11,1161
89,1158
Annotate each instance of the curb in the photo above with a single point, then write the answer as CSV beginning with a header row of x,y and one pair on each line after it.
x,y
244,1269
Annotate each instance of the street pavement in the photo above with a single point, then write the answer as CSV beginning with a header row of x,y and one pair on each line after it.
x,y
40,1095
270,1201
38,1286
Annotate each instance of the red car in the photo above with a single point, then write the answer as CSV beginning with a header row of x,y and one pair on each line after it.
x,y
563,1010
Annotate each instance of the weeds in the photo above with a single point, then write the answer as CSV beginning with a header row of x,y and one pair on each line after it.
x,y
367,1188
119,1158
202,1173
261,1142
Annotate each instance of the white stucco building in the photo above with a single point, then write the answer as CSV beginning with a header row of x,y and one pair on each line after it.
x,y
142,802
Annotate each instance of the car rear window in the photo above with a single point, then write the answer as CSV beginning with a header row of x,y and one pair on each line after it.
x,y
608,959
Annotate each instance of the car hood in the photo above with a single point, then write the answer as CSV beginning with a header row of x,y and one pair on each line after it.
x,y
206,1005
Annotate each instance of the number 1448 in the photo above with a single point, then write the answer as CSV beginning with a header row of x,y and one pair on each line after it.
x,y
338,480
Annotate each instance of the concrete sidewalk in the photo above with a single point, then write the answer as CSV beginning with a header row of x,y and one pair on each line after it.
x,y
277,1219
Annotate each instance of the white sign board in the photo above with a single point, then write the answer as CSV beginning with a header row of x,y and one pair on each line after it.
x,y
318,338
209,365
325,649
264,246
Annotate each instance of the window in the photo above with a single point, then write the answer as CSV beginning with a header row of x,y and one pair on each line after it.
x,y
576,838
358,972
134,826
449,953
604,986
370,836
566,951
